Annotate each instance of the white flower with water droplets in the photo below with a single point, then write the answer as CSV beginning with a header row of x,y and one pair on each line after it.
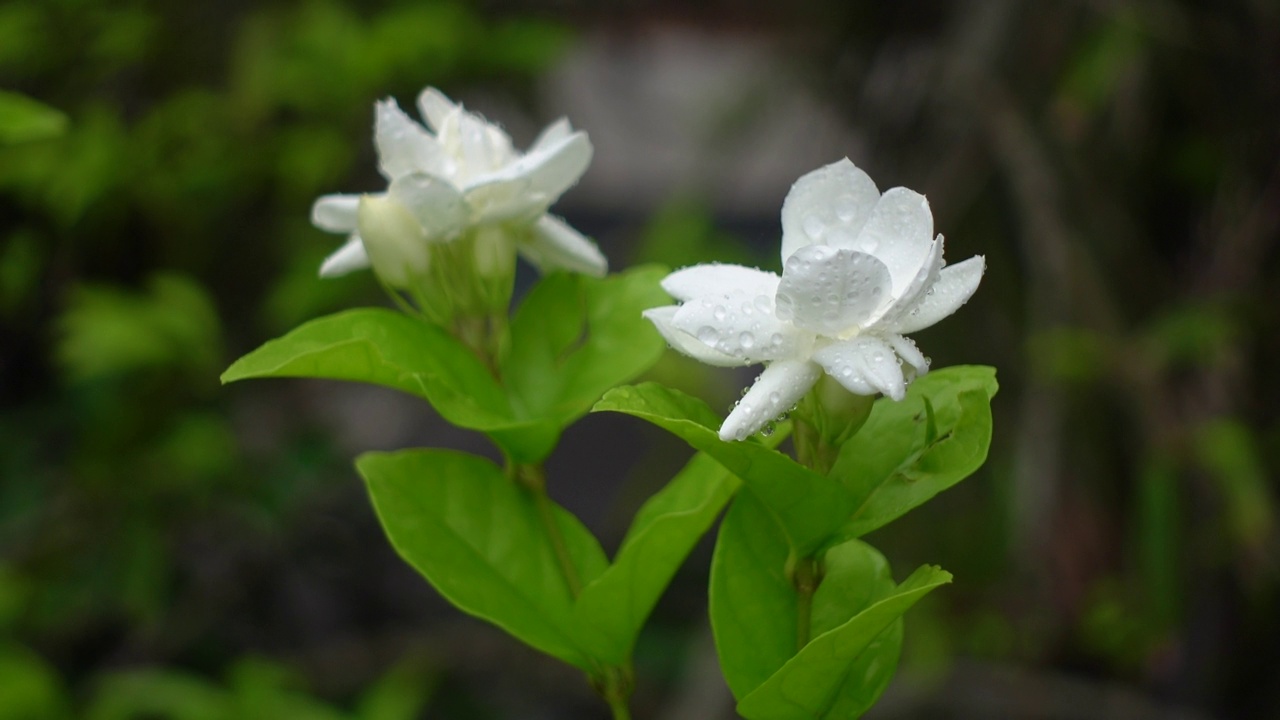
x,y
860,271
456,175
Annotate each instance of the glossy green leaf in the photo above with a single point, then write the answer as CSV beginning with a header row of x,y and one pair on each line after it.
x,y
476,536
807,506
575,337
388,348
753,602
614,607
820,681
909,451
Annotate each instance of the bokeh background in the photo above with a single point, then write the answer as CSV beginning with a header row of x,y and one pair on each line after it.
x,y
170,548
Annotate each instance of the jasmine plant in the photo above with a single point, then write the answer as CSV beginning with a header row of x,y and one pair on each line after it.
x,y
807,616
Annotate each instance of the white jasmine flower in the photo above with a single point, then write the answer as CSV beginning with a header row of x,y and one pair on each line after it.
x,y
457,175
860,271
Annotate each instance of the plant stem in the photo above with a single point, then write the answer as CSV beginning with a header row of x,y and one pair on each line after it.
x,y
534,478
805,576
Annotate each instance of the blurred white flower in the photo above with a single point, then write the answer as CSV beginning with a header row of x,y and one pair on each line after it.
x,y
860,270
456,176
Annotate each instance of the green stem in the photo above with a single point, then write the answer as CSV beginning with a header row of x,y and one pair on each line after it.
x,y
615,685
534,478
805,576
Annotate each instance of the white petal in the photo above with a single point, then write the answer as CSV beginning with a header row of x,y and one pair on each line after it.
x,y
776,391
552,134
553,244
955,285
740,325
863,362
903,302
836,198
899,233
685,343
335,213
909,352
714,280
433,202
547,173
831,291
485,147
435,107
351,256
501,200
403,145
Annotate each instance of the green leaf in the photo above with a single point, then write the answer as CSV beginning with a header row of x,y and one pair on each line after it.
x,y
820,682
575,337
751,600
24,120
387,348
476,536
807,506
613,608
754,609
909,451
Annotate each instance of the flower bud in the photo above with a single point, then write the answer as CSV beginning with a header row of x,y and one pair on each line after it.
x,y
397,246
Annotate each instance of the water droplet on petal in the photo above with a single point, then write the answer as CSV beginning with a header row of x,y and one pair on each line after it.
x,y
763,303
707,335
846,207
774,398
720,313
768,429
747,340
776,339
814,226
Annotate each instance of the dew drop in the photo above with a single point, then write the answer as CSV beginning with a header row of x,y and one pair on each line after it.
x,y
776,339
747,340
747,309
846,371
707,335
720,313
774,398
768,429
814,227
846,207
763,303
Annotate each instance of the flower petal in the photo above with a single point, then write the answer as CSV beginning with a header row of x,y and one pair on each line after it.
x,y
909,352
335,213
435,107
484,147
904,301
776,391
552,134
546,174
433,202
861,363
955,285
831,291
837,198
683,342
403,145
351,256
714,279
552,244
899,233
738,324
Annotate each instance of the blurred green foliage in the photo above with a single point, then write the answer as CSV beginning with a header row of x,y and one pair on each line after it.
x,y
157,164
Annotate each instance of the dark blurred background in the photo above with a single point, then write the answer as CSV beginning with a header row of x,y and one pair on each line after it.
x,y
170,548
